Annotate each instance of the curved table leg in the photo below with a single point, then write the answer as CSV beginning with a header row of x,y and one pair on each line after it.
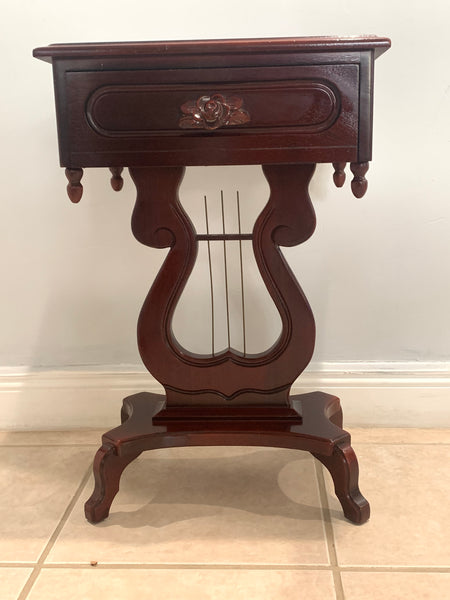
x,y
343,466
108,468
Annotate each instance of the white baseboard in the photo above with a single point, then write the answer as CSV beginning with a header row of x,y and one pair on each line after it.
x,y
372,394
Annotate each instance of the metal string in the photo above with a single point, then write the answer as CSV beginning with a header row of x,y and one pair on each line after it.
x,y
210,277
226,269
242,269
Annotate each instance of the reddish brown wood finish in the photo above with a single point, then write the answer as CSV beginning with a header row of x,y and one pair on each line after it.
x,y
159,221
309,100
319,432
116,179
359,181
243,49
74,187
212,112
298,113
283,103
339,173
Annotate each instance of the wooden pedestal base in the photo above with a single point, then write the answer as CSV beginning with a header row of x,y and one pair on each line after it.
x,y
313,422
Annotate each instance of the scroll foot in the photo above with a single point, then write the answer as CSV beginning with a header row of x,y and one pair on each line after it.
x,y
359,182
343,466
116,179
339,174
74,187
108,468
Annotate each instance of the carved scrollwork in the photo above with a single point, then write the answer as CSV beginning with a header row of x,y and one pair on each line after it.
x,y
212,112
159,221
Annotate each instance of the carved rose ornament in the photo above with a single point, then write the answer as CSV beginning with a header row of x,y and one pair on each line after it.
x,y
212,112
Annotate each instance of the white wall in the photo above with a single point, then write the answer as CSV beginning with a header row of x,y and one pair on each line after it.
x,y
376,271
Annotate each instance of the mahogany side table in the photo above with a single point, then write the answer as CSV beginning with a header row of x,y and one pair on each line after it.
x,y
158,107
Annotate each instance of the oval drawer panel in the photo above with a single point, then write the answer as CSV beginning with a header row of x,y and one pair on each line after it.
x,y
146,109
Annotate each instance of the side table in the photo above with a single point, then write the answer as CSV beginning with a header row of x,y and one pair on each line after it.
x,y
158,107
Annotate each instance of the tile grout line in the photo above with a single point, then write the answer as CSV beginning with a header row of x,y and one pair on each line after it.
x,y
92,445
381,443
329,535
40,562
245,567
223,566
17,565
39,565
394,569
187,567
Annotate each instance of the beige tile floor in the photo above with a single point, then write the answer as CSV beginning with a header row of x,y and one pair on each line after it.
x,y
216,523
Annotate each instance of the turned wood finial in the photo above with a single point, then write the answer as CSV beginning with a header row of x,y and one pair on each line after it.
x,y
116,179
339,173
359,182
74,187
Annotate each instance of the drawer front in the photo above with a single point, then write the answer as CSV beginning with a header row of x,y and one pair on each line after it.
x,y
148,110
210,116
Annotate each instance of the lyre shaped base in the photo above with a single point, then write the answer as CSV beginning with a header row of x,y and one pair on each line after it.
x,y
313,423
159,221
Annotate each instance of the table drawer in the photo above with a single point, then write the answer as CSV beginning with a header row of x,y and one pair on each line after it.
x,y
305,112
147,110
